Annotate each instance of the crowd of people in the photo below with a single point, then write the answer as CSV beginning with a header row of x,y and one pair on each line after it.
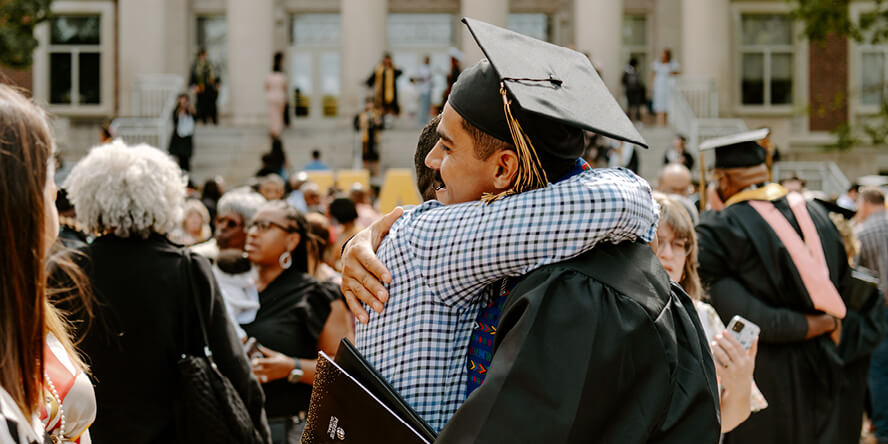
x,y
533,297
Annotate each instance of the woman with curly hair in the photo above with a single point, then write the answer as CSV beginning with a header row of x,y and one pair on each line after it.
x,y
133,197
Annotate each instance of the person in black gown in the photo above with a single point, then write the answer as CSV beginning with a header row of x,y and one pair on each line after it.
x,y
599,348
297,317
749,271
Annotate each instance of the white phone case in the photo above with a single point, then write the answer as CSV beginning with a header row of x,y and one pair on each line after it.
x,y
743,330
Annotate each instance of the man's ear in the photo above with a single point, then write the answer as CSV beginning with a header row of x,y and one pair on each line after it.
x,y
506,164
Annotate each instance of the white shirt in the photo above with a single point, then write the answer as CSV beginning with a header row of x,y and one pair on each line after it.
x,y
240,295
14,427
185,127
424,79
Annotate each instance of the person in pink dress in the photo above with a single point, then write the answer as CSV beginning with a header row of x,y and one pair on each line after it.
x,y
276,96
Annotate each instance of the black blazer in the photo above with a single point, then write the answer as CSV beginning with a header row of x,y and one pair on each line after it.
x,y
137,337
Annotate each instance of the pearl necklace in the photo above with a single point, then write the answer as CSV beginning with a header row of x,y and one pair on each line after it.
x,y
58,399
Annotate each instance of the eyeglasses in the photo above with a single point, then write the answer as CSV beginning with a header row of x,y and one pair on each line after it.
x,y
679,246
264,225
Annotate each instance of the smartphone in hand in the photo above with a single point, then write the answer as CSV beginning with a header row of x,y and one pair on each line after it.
x,y
743,330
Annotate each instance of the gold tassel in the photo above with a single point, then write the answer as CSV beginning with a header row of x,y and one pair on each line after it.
x,y
530,174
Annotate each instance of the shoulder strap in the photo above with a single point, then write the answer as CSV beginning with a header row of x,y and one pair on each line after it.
x,y
194,297
807,255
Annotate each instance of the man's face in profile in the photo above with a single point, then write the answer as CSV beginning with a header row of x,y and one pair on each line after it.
x,y
464,177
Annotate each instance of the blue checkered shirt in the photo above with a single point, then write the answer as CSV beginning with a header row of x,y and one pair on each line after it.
x,y
442,258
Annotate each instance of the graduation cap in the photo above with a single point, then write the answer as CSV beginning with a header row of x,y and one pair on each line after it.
x,y
738,150
832,207
735,151
538,96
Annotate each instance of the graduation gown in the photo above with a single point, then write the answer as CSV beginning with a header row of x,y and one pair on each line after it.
x,y
601,348
749,272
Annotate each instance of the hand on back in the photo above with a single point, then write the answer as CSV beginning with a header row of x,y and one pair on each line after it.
x,y
363,274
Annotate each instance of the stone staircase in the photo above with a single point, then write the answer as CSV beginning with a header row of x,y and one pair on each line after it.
x,y
234,152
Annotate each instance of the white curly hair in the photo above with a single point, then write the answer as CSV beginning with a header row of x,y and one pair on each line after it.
x,y
127,190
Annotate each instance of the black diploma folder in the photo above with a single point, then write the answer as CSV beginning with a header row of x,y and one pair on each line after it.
x,y
351,402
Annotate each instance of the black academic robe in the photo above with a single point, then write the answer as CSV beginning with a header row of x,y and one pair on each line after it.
x,y
749,272
601,348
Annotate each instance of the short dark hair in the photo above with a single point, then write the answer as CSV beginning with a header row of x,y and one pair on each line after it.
x,y
872,195
343,210
278,62
315,154
425,176
487,145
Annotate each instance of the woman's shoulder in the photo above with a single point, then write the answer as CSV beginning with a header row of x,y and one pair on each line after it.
x,y
306,292
14,427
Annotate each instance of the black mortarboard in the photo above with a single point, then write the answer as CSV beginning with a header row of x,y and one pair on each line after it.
x,y
553,94
835,208
738,150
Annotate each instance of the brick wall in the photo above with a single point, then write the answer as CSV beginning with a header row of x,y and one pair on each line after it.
x,y
21,78
828,83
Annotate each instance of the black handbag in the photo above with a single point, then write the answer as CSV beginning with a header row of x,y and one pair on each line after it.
x,y
212,410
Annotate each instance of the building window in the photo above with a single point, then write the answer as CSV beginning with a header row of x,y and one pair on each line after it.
x,y
212,35
872,75
75,60
313,64
412,37
535,25
873,68
766,62
635,42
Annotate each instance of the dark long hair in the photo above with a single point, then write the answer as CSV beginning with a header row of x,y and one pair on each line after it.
x,y
277,66
25,150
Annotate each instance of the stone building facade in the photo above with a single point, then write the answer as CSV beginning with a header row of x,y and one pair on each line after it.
x,y
766,73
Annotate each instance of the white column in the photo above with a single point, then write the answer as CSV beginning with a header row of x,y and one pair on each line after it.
x,y
495,12
706,48
598,31
178,45
250,52
364,40
140,45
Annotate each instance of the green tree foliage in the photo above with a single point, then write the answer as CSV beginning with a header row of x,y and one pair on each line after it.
x,y
822,18
17,21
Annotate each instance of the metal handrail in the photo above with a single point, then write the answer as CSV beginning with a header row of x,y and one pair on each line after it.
x,y
823,176
154,98
693,112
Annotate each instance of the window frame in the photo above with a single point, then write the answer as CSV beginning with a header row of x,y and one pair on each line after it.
x,y
646,49
315,51
107,80
798,48
856,51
